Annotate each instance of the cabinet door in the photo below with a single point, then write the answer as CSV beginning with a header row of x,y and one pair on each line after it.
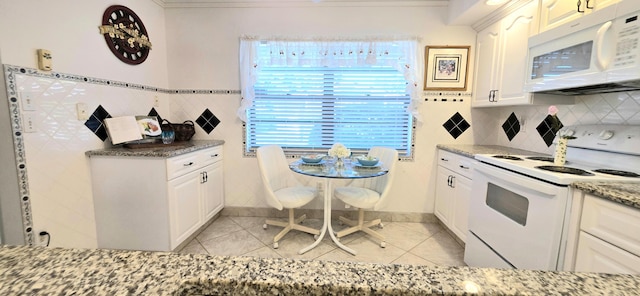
x,y
595,255
512,66
444,195
487,47
459,225
213,190
554,13
184,206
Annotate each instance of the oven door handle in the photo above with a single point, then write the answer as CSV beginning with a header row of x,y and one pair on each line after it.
x,y
515,180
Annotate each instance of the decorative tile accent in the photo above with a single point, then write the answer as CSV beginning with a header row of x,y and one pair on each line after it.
x,y
456,125
153,112
546,132
511,126
96,123
207,121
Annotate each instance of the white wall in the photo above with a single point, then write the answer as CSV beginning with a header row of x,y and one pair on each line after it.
x,y
203,53
200,52
69,29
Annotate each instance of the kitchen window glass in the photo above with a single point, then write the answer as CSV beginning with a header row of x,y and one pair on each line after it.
x,y
309,108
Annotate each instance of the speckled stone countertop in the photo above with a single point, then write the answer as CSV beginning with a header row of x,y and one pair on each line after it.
x,y
175,149
472,150
56,271
621,192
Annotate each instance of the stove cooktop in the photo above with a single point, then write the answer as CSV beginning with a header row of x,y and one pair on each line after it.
x,y
542,167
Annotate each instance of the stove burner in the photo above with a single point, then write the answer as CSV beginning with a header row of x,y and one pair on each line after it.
x,y
617,173
564,170
509,157
541,158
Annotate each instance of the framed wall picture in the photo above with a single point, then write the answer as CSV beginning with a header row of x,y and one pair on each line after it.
x,y
446,67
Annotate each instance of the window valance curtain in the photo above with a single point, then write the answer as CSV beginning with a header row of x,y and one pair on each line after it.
x,y
401,54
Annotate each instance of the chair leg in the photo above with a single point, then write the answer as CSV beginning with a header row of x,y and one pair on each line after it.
x,y
292,223
360,225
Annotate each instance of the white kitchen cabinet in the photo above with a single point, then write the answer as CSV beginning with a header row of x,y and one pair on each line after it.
x,y
155,203
453,191
554,13
608,238
501,59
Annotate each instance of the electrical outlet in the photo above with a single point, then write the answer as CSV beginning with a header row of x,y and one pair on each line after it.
x,y
156,102
81,109
28,122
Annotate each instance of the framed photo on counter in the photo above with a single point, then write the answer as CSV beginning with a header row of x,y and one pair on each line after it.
x,y
446,68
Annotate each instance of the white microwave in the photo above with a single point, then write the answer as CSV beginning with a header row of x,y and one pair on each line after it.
x,y
597,53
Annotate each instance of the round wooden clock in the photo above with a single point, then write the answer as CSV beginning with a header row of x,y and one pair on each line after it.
x,y
125,34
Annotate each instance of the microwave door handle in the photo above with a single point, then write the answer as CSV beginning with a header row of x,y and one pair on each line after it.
x,y
602,61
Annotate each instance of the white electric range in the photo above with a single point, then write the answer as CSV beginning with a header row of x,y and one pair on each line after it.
x,y
520,203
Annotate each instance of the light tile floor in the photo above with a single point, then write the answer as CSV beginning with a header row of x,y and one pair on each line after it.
x,y
407,243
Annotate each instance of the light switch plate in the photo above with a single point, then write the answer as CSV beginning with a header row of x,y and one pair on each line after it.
x,y
27,100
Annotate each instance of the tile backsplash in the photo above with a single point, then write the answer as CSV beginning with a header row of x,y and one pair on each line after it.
x,y
58,175
58,172
611,108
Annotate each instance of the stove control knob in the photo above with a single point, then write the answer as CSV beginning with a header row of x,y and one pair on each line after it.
x,y
606,134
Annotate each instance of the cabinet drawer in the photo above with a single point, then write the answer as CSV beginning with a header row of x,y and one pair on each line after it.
x,y
211,155
612,222
180,165
457,163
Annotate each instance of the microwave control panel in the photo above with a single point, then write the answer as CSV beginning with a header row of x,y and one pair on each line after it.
x,y
628,41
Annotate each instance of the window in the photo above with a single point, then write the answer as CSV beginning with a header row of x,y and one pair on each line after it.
x,y
307,106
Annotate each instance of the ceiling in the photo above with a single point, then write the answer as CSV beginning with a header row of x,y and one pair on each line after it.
x,y
297,3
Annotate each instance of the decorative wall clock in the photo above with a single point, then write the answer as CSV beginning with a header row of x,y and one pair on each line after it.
x,y
125,34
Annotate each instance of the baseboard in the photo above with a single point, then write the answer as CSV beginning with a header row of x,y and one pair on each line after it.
x,y
319,214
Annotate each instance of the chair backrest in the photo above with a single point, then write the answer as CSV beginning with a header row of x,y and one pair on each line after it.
x,y
388,157
275,172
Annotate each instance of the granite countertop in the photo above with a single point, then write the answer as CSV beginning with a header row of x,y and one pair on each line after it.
x,y
621,192
472,150
175,149
56,271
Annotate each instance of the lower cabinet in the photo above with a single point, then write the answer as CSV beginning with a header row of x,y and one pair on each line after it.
x,y
453,191
608,240
146,203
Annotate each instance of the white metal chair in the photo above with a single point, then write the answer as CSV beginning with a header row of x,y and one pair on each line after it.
x,y
283,190
370,193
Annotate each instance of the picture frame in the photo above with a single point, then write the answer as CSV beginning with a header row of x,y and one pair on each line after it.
x,y
446,68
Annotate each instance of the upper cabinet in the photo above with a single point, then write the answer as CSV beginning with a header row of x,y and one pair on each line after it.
x,y
501,55
556,12
501,61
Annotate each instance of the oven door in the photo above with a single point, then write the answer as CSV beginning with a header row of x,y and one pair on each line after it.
x,y
517,217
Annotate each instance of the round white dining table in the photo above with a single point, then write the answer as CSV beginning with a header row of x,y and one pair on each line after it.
x,y
328,170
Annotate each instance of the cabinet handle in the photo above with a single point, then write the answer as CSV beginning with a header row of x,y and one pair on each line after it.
x,y
215,155
464,167
580,3
587,5
449,181
452,180
188,164
444,159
